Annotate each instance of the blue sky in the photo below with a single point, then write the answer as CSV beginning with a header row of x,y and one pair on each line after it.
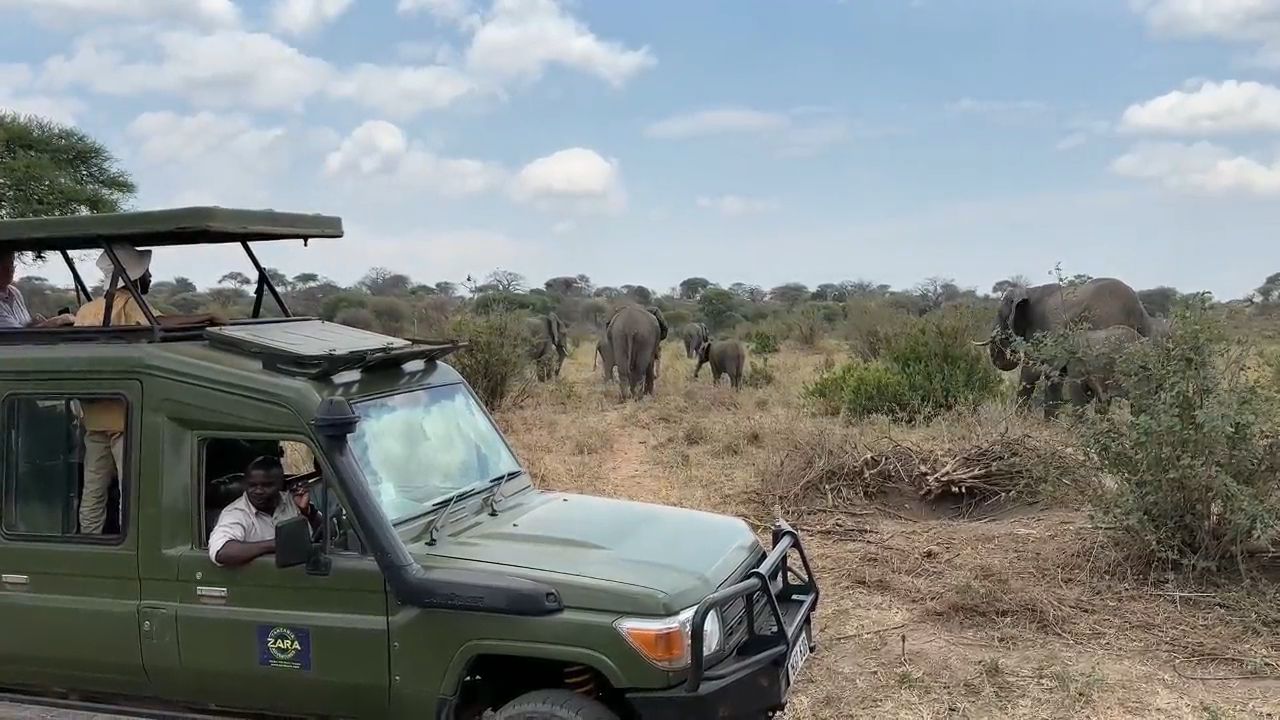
x,y
755,141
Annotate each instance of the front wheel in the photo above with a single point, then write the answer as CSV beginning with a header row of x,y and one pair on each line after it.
x,y
554,705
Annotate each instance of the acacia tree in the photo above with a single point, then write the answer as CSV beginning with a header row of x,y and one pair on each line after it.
x,y
235,279
51,169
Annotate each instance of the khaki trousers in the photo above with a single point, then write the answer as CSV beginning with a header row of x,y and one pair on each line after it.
x,y
103,461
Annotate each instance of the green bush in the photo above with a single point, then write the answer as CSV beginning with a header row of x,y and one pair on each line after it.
x,y
759,374
1195,455
859,389
762,342
942,369
929,368
870,325
495,362
807,325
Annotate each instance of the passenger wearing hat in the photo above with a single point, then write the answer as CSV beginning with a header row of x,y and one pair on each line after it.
x,y
104,420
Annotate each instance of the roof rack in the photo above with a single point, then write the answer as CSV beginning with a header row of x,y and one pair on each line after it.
x,y
316,349
164,228
113,334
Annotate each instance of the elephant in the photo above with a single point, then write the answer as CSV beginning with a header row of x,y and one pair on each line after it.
x,y
604,356
1029,311
727,357
694,335
635,335
1090,373
548,335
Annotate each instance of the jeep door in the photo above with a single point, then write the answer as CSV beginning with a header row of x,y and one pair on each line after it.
x,y
255,637
69,599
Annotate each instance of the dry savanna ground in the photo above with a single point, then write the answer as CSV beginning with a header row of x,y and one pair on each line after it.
x,y
930,609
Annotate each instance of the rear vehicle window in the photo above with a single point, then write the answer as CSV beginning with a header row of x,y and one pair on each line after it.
x,y
66,466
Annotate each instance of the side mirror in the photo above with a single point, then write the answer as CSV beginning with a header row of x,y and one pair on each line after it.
x,y
293,542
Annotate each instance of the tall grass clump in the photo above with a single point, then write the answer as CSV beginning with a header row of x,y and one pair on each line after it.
x,y
927,368
1195,456
763,345
495,361
871,325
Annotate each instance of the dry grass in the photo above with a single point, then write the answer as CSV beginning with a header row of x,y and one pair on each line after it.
x,y
930,610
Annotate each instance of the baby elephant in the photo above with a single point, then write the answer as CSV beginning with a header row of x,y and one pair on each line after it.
x,y
727,357
1092,376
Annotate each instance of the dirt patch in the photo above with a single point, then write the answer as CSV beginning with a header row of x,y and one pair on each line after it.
x,y
1022,612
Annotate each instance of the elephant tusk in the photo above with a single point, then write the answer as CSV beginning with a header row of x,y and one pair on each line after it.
x,y
981,343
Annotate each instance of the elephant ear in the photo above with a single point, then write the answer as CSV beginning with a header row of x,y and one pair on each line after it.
x,y
555,330
1015,312
662,323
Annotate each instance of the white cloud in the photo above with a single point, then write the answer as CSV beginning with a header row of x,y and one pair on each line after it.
x,y
996,107
1253,22
519,39
220,69
737,205
402,91
459,12
575,178
1228,19
797,133
167,137
379,152
1230,106
301,17
564,227
16,95
240,69
1201,168
206,157
1072,141
208,13
716,122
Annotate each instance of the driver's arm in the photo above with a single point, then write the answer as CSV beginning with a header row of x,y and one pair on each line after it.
x,y
227,546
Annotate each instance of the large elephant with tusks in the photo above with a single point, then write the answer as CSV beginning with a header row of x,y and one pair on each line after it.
x,y
1029,311
635,335
548,337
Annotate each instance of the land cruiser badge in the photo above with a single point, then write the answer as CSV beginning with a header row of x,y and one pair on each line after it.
x,y
284,647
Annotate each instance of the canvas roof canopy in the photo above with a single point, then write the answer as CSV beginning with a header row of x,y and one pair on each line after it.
x,y
161,228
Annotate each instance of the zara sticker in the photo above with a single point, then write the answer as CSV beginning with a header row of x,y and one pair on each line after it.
x,y
284,647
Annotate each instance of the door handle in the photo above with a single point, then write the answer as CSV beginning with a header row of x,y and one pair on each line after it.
x,y
213,593
15,579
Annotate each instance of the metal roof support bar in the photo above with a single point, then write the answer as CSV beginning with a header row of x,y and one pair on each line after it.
x,y
119,271
82,290
264,280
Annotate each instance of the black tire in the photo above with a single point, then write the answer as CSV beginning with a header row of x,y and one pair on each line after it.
x,y
554,705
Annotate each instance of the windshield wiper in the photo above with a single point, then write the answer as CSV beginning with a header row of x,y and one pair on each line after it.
x,y
495,498
437,525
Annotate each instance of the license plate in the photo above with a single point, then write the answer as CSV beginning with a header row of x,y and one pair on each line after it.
x,y
799,654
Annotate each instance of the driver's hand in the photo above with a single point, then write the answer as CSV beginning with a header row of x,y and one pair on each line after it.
x,y
301,498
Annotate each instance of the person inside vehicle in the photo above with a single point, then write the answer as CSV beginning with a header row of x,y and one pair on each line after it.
x,y
246,529
125,310
104,419
13,308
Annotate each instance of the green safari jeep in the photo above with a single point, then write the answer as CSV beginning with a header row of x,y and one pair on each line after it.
x,y
439,582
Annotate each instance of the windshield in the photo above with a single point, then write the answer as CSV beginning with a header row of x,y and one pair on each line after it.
x,y
422,446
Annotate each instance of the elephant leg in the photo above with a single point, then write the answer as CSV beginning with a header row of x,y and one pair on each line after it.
x,y
1052,398
1077,382
1027,379
649,376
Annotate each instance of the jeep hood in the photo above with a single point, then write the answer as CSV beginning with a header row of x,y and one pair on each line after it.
x,y
681,555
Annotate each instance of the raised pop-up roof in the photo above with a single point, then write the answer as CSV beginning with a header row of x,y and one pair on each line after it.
x,y
159,228
164,228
